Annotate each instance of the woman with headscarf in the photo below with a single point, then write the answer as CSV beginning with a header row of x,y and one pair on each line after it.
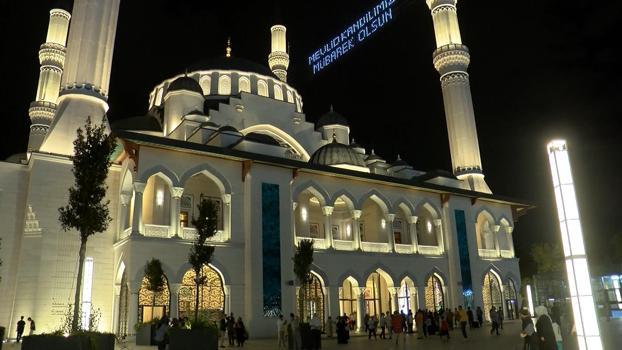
x,y
544,326
528,331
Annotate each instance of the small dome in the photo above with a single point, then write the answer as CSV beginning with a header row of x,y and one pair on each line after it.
x,y
195,112
373,157
399,162
336,153
331,118
185,83
228,128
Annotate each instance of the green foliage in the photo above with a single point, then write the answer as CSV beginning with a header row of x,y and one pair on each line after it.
x,y
154,274
203,323
549,258
68,318
303,259
86,210
206,224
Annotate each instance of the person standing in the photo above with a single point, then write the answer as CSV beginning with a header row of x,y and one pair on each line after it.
x,y
161,336
500,311
419,323
443,329
240,332
388,323
470,317
231,329
32,326
396,325
382,322
450,318
316,332
480,316
494,319
463,319
21,324
223,329
371,327
409,321
544,327
280,332
528,331
329,327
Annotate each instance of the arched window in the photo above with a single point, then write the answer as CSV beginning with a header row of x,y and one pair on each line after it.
x,y
290,97
511,302
347,298
308,216
400,226
244,84
152,306
373,225
278,92
224,85
491,293
206,84
407,297
377,297
211,294
434,295
314,299
342,219
262,88
156,204
485,232
426,232
197,188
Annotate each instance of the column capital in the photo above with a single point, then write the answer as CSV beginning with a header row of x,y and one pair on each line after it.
x,y
117,289
226,198
140,187
360,291
126,197
390,217
438,222
356,214
177,192
327,210
413,219
294,205
174,287
509,229
393,290
496,228
434,4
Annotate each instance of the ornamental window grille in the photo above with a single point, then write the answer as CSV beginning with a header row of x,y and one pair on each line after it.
x,y
123,306
314,298
152,305
434,297
211,294
491,293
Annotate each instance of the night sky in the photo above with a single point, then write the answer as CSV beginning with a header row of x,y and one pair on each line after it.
x,y
540,69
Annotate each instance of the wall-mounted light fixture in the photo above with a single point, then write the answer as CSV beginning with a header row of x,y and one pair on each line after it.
x,y
303,213
159,198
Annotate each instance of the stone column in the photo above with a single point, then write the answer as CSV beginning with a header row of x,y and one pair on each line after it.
x,y
495,230
391,235
174,229
333,302
174,292
412,297
393,292
438,228
508,232
356,230
226,217
413,233
137,219
125,200
132,312
328,232
360,309
115,310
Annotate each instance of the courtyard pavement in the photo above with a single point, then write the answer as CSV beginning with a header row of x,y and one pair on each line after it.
x,y
479,339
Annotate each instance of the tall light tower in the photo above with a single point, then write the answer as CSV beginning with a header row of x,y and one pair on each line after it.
x,y
579,281
451,59
278,60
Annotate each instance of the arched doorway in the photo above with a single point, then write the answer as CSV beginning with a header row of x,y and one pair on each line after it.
x,y
491,293
434,294
315,300
152,306
511,302
211,294
407,297
377,297
124,299
347,298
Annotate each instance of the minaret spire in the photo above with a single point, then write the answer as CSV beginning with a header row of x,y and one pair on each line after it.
x,y
451,60
228,49
52,60
278,60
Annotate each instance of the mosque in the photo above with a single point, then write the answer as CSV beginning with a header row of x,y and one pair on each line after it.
x,y
386,235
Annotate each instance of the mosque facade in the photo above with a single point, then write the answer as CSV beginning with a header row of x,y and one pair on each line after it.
x,y
386,236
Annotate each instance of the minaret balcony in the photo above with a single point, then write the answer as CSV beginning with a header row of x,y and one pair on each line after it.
x,y
451,58
52,54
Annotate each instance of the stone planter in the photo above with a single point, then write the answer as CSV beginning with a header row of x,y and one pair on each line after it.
x,y
145,334
87,341
195,339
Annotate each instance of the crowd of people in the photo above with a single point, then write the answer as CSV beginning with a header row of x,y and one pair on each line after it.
x,y
229,328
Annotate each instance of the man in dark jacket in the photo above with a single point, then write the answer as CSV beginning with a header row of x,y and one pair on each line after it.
x,y
21,324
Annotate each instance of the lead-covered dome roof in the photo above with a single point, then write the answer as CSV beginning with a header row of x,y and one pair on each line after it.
x,y
185,83
336,153
232,64
331,118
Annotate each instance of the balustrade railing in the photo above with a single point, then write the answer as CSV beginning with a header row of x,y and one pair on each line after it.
x,y
488,253
375,247
343,245
318,243
160,231
404,248
429,250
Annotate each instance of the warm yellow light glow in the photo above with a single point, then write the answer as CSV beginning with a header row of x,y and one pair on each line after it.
x,y
348,230
529,299
303,213
429,226
579,281
383,223
160,198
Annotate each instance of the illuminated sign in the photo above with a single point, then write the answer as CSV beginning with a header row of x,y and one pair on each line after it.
x,y
353,35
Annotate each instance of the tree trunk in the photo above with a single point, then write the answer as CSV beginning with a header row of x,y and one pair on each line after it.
x,y
301,303
76,306
196,295
153,304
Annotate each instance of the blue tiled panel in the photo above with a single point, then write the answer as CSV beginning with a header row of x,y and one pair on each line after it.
x,y
463,250
271,249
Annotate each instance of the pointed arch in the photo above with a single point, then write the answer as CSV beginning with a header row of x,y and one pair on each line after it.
x,y
244,84
350,200
204,168
280,135
383,271
321,274
120,270
429,207
406,275
487,214
504,221
494,270
405,205
206,84
378,198
165,173
224,85
352,276
313,187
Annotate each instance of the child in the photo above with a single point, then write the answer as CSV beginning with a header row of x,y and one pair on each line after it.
x,y
444,328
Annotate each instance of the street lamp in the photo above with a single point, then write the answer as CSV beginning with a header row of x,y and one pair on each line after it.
x,y
579,281
529,300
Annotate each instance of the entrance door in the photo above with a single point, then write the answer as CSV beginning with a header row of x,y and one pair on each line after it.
x,y
510,304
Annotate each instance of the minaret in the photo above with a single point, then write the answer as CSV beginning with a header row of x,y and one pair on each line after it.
x,y
278,60
451,60
51,59
85,82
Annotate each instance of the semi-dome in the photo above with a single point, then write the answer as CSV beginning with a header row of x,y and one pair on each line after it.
x,y
185,83
331,118
336,153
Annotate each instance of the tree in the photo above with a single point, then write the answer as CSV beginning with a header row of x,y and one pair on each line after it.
x,y
549,258
87,211
156,281
201,254
303,259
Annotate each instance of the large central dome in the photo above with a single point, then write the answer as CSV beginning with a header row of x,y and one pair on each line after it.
x,y
233,64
